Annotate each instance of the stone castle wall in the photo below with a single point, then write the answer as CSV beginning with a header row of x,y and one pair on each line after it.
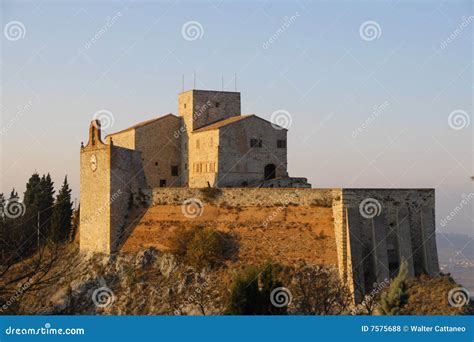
x,y
95,226
160,148
201,107
374,229
239,162
378,228
248,196
110,175
203,158
370,242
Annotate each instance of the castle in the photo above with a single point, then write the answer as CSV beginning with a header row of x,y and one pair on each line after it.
x,y
211,145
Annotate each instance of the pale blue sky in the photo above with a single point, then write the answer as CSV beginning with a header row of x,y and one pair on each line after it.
x,y
318,68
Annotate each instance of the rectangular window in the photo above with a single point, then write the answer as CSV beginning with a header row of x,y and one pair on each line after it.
x,y
174,170
281,143
162,183
255,142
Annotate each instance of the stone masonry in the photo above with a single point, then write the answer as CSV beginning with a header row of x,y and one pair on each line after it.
x,y
169,159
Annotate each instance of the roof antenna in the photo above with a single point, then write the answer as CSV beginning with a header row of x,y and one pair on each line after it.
x,y
235,79
222,83
183,83
194,84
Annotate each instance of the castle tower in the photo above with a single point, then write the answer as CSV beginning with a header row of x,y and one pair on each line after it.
x,y
110,175
199,108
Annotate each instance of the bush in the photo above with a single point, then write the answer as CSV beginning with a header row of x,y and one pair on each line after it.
x,y
211,194
393,300
200,247
251,291
319,291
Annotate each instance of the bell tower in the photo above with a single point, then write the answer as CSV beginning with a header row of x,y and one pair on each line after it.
x,y
95,234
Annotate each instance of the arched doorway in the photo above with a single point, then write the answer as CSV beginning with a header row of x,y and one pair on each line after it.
x,y
269,172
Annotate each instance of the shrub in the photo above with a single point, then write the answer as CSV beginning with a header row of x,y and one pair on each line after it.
x,y
393,300
200,247
251,291
319,291
211,194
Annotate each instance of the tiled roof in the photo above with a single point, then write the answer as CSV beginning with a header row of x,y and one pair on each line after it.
x,y
144,123
222,123
225,122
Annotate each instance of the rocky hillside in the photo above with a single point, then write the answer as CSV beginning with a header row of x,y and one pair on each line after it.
x,y
153,283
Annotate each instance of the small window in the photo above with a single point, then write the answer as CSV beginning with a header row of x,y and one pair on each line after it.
x,y
185,166
185,106
174,170
281,143
162,183
217,104
156,163
255,142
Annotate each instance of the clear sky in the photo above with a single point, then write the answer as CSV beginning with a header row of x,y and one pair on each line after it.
x,y
369,86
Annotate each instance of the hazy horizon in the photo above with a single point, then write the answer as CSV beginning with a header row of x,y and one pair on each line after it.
x,y
392,110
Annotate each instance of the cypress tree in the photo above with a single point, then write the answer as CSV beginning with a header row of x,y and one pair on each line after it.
x,y
61,221
32,192
3,230
393,300
45,203
2,204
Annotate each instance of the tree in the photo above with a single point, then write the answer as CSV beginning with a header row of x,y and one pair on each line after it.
x,y
251,292
32,192
45,203
319,291
2,204
244,293
61,221
393,300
